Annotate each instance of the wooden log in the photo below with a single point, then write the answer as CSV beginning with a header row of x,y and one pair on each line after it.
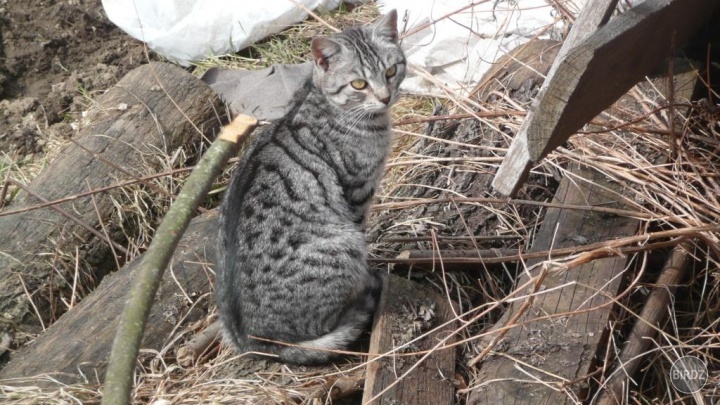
x,y
80,341
522,70
653,315
406,311
155,109
526,65
595,73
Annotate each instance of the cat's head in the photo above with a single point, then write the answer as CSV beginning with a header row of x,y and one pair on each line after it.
x,y
361,68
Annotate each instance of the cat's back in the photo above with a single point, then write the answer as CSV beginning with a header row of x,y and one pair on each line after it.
x,y
285,168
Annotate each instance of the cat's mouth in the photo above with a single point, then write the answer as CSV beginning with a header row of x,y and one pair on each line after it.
x,y
373,110
380,108
378,111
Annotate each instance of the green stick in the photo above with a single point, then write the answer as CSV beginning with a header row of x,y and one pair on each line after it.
x,y
119,377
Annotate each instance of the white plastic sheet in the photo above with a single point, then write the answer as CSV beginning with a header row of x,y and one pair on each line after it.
x,y
191,30
456,41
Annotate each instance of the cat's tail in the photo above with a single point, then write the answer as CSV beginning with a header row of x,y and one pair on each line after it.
x,y
321,350
355,320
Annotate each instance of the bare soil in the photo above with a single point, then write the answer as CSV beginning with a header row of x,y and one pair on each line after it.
x,y
54,56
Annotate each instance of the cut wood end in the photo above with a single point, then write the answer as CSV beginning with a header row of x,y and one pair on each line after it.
x,y
512,174
185,356
516,165
188,353
240,127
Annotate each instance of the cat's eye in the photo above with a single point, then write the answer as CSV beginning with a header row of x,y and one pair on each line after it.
x,y
391,71
358,84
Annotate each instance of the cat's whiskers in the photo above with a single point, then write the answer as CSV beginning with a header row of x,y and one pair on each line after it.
x,y
353,116
341,119
357,114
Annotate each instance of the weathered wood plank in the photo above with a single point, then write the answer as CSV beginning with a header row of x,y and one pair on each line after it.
x,y
563,347
126,129
595,73
566,346
606,65
406,311
516,165
81,340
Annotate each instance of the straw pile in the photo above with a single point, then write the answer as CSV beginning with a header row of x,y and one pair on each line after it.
x,y
436,198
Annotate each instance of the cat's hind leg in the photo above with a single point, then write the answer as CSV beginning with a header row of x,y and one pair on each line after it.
x,y
355,320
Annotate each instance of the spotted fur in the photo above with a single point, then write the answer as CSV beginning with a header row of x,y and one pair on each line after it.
x,y
292,253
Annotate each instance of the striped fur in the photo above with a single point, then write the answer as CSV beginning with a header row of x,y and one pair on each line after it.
x,y
292,253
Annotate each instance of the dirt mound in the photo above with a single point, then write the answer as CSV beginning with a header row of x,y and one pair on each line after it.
x,y
54,55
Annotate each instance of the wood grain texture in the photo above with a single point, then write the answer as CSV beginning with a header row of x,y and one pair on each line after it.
x,y
81,340
563,347
125,134
608,63
401,317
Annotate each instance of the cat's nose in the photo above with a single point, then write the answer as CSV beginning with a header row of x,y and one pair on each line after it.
x,y
383,94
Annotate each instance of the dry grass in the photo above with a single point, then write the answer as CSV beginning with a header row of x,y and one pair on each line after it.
x,y
291,45
670,182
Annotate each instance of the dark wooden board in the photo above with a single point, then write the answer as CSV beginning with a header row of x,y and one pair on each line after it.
x,y
609,62
401,316
153,110
516,165
567,346
595,73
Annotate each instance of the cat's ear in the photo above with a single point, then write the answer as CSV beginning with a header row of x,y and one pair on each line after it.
x,y
386,27
323,49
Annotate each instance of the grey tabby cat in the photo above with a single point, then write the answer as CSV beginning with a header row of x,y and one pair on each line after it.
x,y
292,253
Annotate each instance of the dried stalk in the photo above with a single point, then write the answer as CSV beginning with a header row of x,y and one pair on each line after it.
x,y
122,184
491,238
438,256
587,252
188,353
480,114
472,200
652,315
